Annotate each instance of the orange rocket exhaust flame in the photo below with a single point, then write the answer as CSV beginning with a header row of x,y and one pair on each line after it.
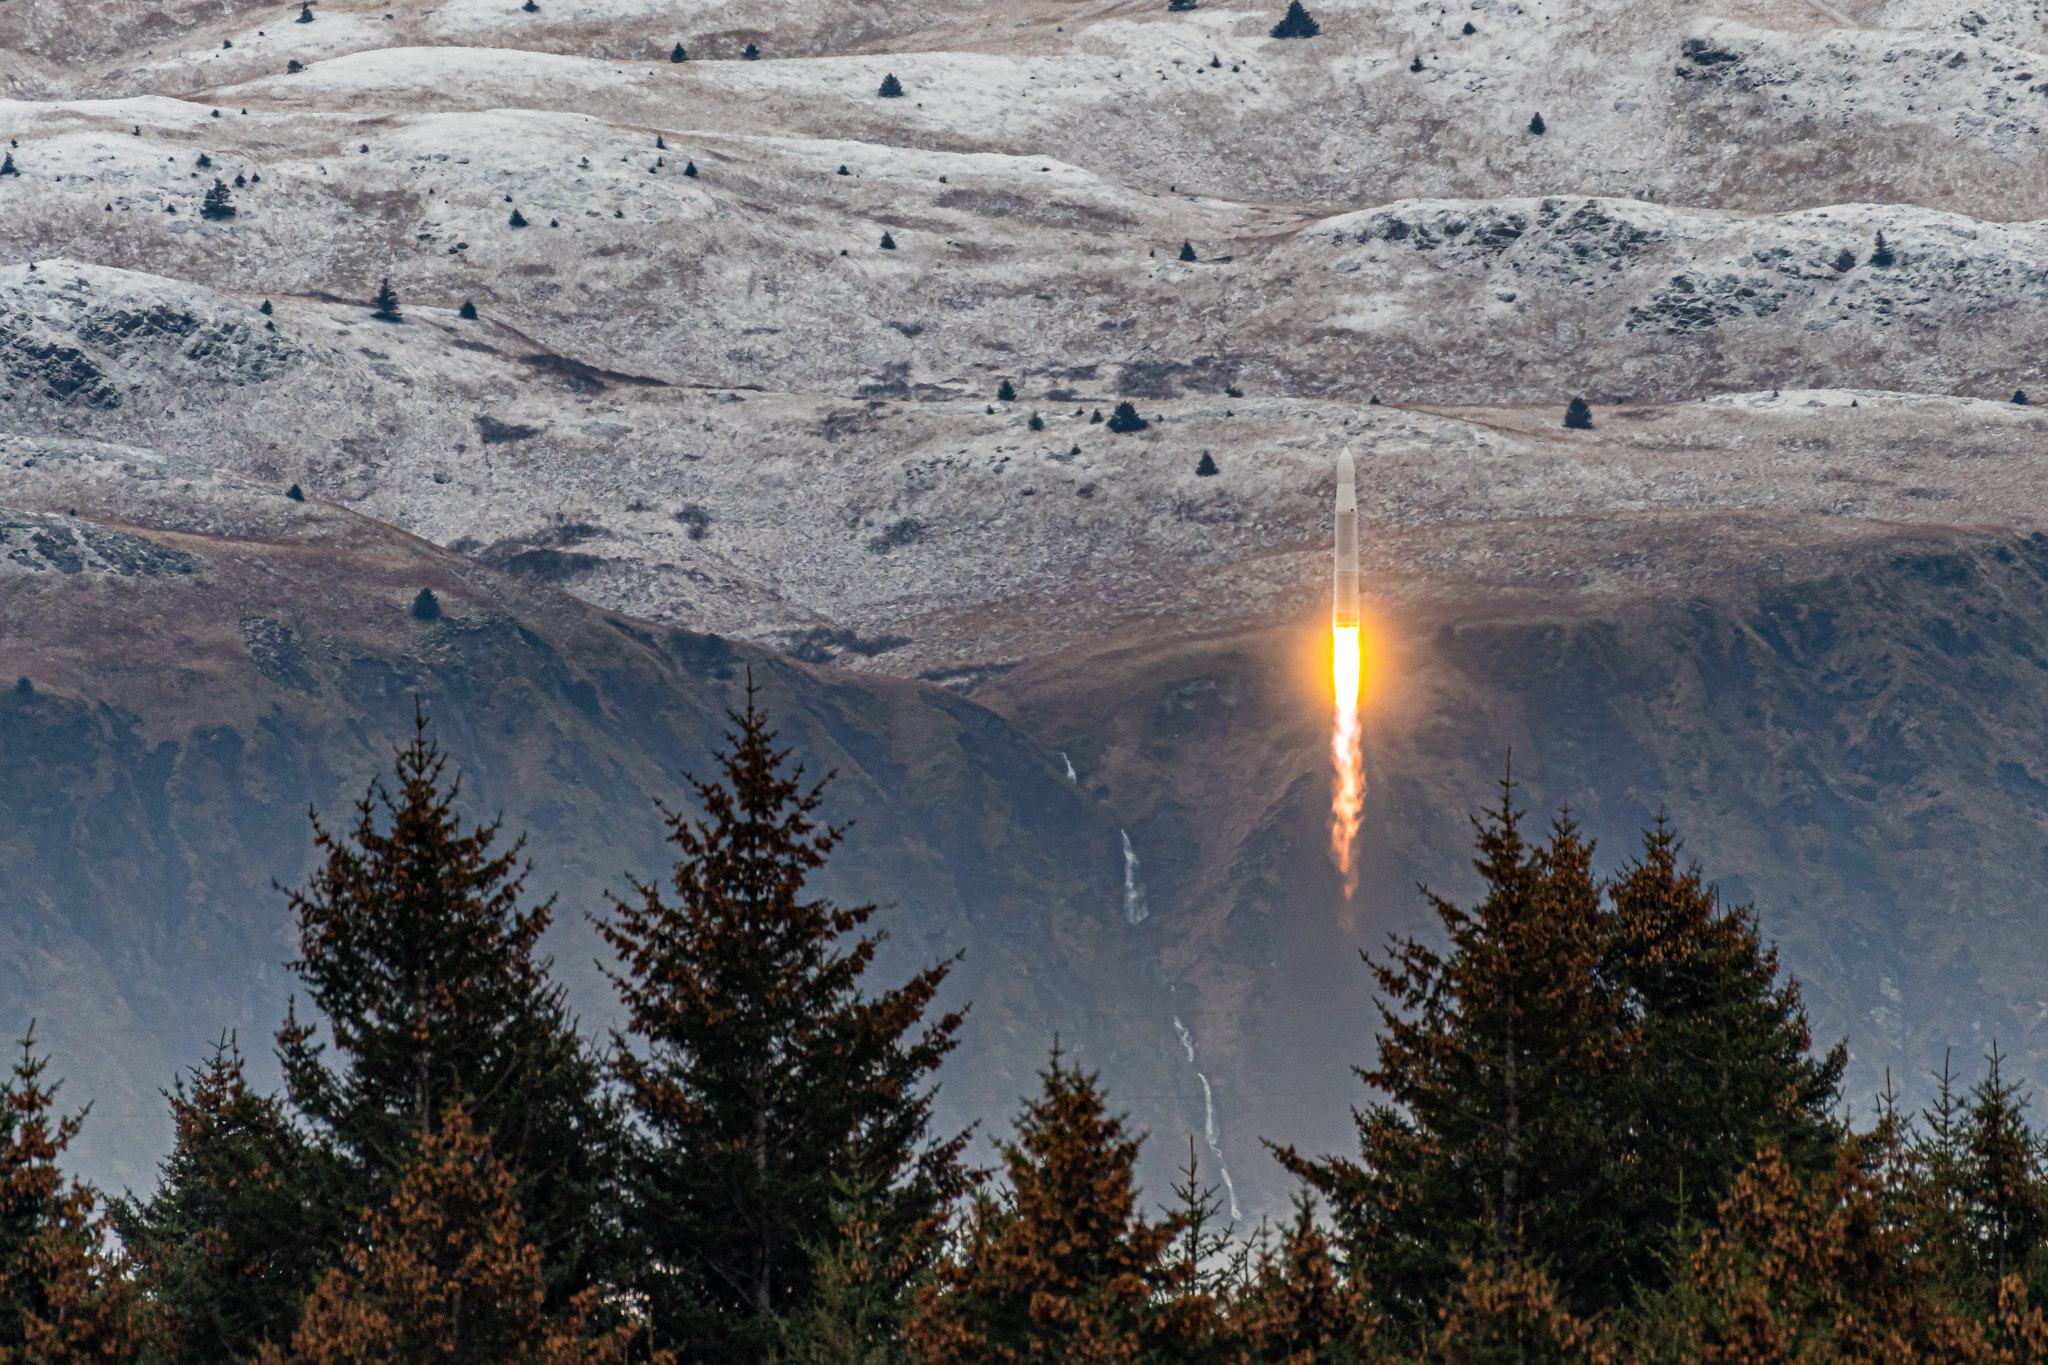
x,y
1347,796
1347,799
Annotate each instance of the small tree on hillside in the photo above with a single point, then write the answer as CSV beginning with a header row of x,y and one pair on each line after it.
x,y
385,308
765,1079
752,54
235,1234
1006,392
1187,251
892,89
1882,255
1126,418
1058,1265
7,166
62,1297
1297,23
1578,416
219,205
1537,125
678,55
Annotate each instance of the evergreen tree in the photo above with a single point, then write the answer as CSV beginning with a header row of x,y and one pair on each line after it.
x,y
1882,255
2019,396
1095,417
1585,1071
1299,1307
444,1276
858,1309
63,1298
386,309
763,1077
1058,1265
1006,392
752,54
467,312
1718,1063
1577,416
235,1235
426,606
517,219
1845,260
690,169
420,951
1180,6
888,242
1126,418
305,13
219,205
1036,423
265,309
892,89
7,166
1536,124
295,493
1205,467
1416,65
1187,251
1297,23
678,55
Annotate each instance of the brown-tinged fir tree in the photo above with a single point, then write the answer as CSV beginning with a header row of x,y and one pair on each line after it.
x,y
763,1077
236,1232
1058,1265
64,1298
1823,1270
444,1275
1300,1307
420,949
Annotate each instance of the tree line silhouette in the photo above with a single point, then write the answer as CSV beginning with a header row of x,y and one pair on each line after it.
x,y
1599,1133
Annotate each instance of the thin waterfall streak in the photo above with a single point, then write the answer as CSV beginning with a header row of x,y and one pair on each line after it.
x,y
1072,776
1187,1040
1213,1135
1135,909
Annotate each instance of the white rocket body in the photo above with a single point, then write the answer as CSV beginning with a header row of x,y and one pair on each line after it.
x,y
1344,605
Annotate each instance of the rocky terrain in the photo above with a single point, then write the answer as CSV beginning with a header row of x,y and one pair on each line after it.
x,y
726,390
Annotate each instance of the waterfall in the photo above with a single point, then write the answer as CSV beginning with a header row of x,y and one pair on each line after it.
x,y
1072,776
1135,909
1187,1040
1212,1135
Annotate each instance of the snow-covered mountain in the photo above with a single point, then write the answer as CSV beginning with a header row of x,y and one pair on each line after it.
x,y
731,360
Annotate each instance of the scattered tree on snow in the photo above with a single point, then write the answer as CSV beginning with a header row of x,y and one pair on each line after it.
x,y
1297,23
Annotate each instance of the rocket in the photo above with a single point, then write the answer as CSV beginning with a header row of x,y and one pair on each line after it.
x,y
1344,605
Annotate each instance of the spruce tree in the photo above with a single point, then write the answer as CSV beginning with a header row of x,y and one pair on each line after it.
x,y
386,304
1296,23
892,89
219,205
690,169
1299,1307
517,219
7,166
678,55
1058,1264
419,948
1577,416
1205,467
1126,418
763,1077
1187,251
63,1296
888,242
1881,256
1536,124
443,1275
752,54
305,13
1006,392
2019,397
235,1234
467,312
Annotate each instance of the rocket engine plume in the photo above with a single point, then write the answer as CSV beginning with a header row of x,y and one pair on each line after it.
x,y
1347,797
